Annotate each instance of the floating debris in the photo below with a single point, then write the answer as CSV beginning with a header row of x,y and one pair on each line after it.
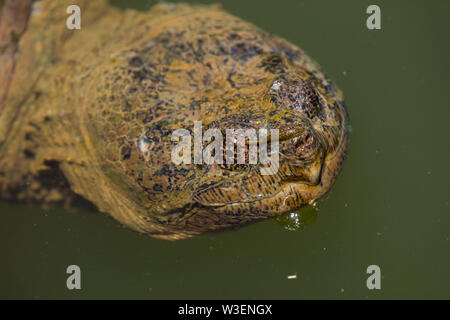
x,y
292,276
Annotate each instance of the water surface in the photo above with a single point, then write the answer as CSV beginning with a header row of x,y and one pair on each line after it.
x,y
390,206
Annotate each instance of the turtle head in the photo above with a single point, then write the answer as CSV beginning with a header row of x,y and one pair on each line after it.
x,y
293,122
263,129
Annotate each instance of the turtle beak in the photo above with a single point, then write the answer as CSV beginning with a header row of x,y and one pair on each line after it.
x,y
311,173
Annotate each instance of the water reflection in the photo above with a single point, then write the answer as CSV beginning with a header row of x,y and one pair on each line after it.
x,y
299,219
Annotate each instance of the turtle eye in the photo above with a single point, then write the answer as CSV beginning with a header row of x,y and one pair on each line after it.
x,y
299,95
309,102
303,146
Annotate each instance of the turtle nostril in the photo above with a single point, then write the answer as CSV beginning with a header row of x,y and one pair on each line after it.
x,y
303,144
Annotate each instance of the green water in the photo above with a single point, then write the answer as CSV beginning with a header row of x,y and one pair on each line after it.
x,y
390,206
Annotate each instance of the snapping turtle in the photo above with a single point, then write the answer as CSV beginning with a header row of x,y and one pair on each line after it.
x,y
91,113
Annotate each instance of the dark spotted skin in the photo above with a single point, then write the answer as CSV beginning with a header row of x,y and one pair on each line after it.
x,y
160,71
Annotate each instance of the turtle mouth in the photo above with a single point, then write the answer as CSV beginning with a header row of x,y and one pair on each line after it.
x,y
301,162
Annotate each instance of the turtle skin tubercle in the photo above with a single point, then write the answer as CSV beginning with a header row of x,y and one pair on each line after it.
x,y
115,91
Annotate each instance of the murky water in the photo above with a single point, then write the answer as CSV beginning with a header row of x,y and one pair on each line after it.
x,y
390,206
